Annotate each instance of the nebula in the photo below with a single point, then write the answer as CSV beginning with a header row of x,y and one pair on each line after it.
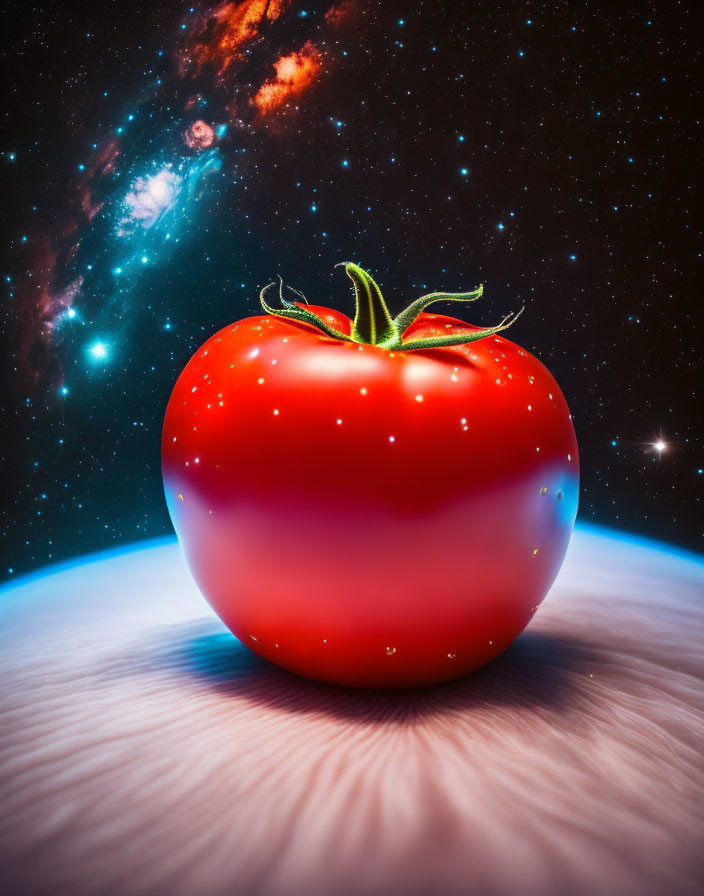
x,y
227,30
149,199
236,68
198,136
294,74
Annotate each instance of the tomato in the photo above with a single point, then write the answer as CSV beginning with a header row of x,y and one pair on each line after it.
x,y
377,502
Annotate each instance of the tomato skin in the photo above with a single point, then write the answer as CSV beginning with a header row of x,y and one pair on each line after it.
x,y
370,517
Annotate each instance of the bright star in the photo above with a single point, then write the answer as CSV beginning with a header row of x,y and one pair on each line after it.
x,y
98,350
660,446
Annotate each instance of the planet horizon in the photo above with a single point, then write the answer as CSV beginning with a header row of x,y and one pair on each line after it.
x,y
143,749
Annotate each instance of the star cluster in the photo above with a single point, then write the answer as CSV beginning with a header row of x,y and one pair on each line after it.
x,y
163,162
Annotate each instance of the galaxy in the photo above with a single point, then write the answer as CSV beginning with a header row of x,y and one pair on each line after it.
x,y
164,162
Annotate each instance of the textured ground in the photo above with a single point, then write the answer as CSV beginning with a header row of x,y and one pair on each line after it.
x,y
144,751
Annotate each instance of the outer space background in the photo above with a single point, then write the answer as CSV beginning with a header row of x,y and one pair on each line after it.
x,y
163,161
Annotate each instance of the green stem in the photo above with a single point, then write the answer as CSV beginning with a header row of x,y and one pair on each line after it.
x,y
403,320
293,311
372,322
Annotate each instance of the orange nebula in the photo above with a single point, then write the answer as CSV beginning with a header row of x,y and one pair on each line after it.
x,y
229,28
294,73
343,13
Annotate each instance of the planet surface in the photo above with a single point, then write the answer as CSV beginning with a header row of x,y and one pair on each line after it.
x,y
144,750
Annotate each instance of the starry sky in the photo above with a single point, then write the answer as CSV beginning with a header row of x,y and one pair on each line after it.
x,y
161,162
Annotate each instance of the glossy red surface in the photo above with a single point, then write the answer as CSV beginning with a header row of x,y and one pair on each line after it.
x,y
366,517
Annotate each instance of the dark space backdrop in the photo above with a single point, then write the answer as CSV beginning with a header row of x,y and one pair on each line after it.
x,y
161,162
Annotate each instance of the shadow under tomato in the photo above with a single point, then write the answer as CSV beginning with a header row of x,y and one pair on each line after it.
x,y
539,670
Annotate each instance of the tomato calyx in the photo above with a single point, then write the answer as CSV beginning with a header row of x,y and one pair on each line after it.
x,y
373,324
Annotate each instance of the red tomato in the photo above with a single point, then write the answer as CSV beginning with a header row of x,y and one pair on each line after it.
x,y
364,514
